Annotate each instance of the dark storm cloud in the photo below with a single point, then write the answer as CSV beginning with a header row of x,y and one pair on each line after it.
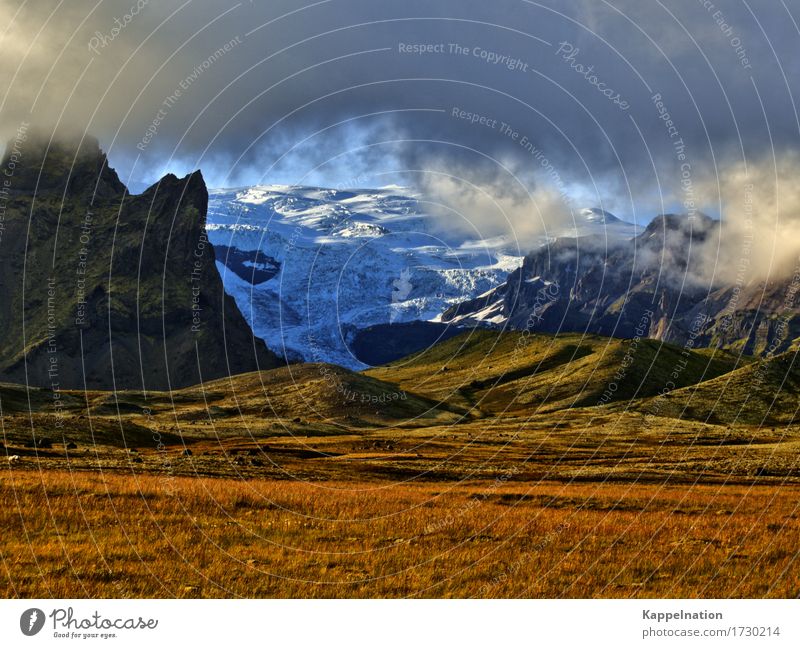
x,y
337,91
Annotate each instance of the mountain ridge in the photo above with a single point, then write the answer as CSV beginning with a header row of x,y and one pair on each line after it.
x,y
320,272
109,290
657,285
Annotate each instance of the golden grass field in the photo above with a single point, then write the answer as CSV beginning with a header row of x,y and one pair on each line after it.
x,y
93,535
482,468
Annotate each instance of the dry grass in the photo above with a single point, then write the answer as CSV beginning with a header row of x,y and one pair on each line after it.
x,y
483,468
99,534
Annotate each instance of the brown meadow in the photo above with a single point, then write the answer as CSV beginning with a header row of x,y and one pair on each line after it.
x,y
109,535
492,465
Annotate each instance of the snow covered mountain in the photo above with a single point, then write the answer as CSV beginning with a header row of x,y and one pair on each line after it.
x,y
309,267
592,221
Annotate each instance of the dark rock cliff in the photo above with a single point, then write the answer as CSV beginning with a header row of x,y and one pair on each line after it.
x,y
106,290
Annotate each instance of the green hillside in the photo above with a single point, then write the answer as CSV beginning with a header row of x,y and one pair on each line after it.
x,y
510,372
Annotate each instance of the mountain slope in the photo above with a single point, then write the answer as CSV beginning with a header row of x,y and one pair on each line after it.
x,y
109,290
513,372
658,283
762,393
311,268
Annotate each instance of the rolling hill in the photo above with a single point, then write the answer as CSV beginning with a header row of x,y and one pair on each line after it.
x,y
513,372
763,393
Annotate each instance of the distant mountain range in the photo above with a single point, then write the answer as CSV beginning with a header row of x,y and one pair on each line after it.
x,y
104,289
360,277
357,277
655,285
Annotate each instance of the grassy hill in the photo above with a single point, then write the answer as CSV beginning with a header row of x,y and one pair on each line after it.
x,y
299,399
762,393
481,405
318,393
511,372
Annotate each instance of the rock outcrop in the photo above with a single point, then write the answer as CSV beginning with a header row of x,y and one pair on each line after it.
x,y
107,290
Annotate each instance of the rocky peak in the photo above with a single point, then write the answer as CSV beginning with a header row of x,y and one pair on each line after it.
x,y
679,228
42,164
654,285
109,290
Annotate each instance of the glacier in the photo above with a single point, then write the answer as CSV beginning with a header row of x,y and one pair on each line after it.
x,y
310,266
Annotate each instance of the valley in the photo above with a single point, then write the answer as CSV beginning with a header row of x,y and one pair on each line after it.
x,y
490,465
473,407
332,400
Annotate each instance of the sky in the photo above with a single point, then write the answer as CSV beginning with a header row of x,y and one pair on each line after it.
x,y
534,108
